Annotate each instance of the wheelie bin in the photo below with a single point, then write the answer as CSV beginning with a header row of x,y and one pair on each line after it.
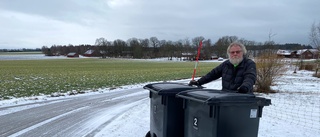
x,y
166,111
215,113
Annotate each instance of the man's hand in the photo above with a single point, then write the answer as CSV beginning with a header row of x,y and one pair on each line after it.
x,y
243,89
193,82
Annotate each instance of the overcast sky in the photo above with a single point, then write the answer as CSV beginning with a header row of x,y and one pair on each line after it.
x,y
37,23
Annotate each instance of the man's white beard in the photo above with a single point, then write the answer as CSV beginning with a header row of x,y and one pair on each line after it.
x,y
235,61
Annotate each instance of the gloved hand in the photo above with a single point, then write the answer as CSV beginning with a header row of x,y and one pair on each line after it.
x,y
243,89
193,82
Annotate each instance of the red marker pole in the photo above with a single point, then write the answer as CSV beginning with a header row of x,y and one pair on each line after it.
x,y
197,60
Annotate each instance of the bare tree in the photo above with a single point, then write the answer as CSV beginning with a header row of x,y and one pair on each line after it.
x,y
187,45
196,40
196,44
179,49
222,44
207,49
103,46
145,46
247,42
144,43
167,49
155,44
100,41
119,46
163,48
252,47
315,36
136,48
187,49
271,35
46,51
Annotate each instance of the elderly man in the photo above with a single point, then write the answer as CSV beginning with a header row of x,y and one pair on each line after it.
x,y
238,73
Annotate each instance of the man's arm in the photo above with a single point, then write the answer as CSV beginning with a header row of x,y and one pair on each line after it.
x,y
250,76
212,75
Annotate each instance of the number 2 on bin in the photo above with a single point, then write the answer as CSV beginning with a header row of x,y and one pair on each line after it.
x,y
195,122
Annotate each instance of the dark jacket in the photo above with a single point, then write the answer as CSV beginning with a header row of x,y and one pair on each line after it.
x,y
233,77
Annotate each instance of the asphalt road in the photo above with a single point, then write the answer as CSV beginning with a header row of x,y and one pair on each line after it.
x,y
68,117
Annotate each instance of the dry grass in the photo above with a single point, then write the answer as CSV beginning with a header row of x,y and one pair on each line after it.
x,y
269,67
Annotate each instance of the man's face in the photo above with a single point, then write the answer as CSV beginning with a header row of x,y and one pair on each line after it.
x,y
235,54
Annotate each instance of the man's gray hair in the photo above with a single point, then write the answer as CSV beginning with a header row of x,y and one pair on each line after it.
x,y
243,48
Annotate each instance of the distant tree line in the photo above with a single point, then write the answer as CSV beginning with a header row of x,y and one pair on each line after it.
x,y
154,48
20,50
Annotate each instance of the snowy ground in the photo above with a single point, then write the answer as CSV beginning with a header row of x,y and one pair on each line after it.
x,y
295,110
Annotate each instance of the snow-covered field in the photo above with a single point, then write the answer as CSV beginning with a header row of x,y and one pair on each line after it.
x,y
295,110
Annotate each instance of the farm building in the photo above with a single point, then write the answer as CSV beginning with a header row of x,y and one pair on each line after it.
x,y
72,55
92,53
284,53
304,53
187,56
307,54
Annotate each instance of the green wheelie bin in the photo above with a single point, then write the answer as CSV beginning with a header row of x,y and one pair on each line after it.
x,y
216,113
166,110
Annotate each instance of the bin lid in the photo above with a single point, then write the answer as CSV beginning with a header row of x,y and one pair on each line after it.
x,y
220,97
168,88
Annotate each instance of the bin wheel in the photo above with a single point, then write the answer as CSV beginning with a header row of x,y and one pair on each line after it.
x,y
148,134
